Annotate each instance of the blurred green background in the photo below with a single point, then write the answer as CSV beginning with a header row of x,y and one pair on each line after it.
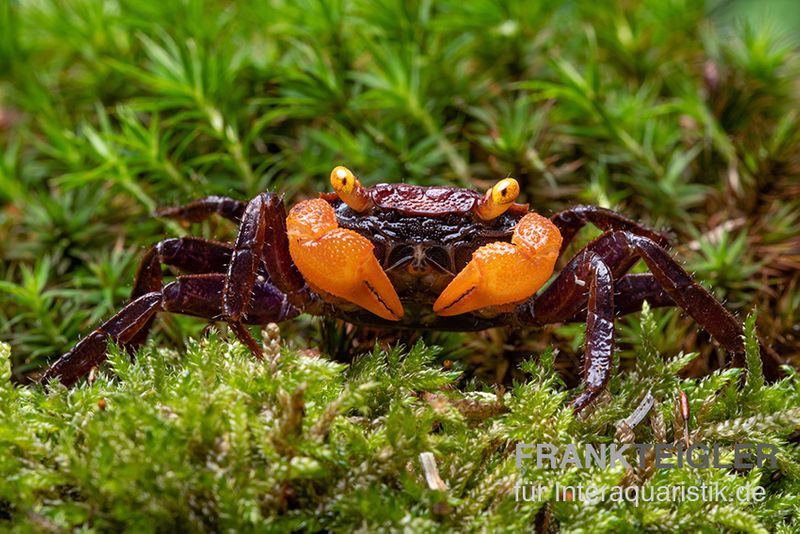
x,y
680,114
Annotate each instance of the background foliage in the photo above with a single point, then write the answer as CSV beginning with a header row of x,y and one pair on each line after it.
x,y
682,115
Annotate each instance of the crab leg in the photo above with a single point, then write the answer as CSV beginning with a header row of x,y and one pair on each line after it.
x,y
242,270
262,237
618,250
189,254
599,353
630,292
620,247
688,294
571,220
245,259
261,240
202,209
588,280
275,248
504,273
573,290
199,295
276,256
339,261
91,350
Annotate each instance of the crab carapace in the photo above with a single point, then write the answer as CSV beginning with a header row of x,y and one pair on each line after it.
x,y
407,256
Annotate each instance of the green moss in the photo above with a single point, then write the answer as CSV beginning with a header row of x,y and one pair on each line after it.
x,y
212,438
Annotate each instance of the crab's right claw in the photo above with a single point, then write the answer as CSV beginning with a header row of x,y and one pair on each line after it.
x,y
504,273
339,261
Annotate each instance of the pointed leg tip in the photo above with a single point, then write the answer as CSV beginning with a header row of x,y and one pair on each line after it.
x,y
583,400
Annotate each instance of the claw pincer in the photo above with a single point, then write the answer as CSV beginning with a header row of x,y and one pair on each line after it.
x,y
504,273
339,261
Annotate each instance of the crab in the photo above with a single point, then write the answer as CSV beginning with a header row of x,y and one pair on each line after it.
x,y
407,256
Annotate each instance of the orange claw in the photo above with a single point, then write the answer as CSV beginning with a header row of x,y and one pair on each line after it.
x,y
339,261
504,273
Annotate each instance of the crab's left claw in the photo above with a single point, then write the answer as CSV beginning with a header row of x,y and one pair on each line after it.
x,y
339,261
504,273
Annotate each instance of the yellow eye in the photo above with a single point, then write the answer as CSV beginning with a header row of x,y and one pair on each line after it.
x,y
497,199
350,189
505,191
343,180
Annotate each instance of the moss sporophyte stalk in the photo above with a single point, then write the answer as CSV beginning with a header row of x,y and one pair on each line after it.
x,y
666,455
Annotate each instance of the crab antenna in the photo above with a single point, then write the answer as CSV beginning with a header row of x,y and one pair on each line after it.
x,y
497,199
349,189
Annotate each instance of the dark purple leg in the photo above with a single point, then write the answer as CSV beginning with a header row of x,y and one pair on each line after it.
x,y
188,254
599,353
245,259
571,220
262,236
91,350
275,248
204,208
566,296
203,295
277,260
586,282
630,292
700,304
571,290
231,288
198,295
688,294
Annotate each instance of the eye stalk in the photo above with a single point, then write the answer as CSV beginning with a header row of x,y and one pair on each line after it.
x,y
497,199
349,189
